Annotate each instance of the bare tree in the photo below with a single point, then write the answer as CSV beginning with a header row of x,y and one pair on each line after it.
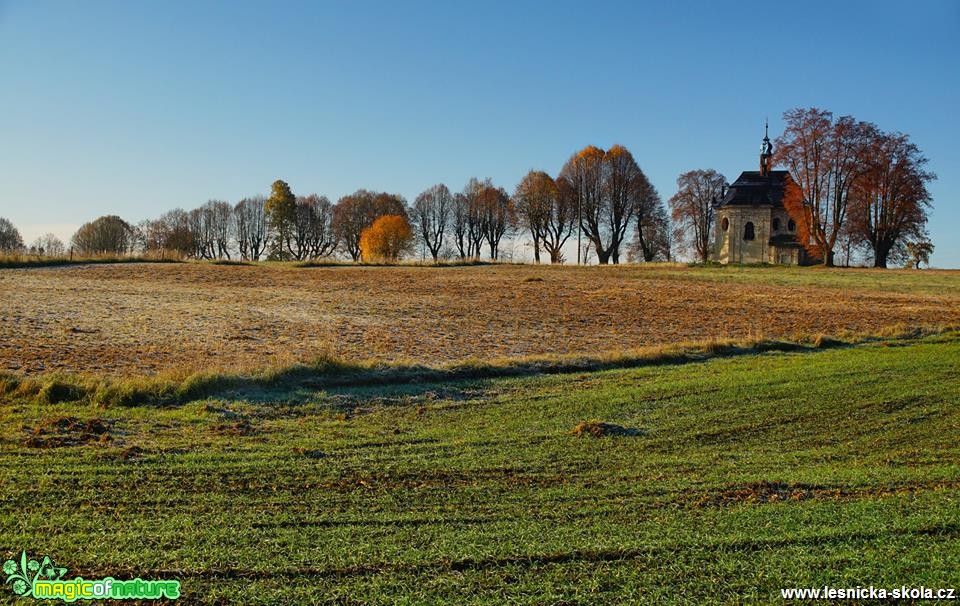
x,y
312,236
202,228
219,217
431,215
48,245
476,229
460,224
250,227
652,241
561,220
10,239
692,209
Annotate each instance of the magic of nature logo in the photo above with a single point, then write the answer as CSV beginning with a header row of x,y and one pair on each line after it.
x,y
44,580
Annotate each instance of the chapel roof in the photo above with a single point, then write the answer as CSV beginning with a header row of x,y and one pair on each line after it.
x,y
753,188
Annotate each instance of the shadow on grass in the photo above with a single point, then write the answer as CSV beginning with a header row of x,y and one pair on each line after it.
x,y
300,382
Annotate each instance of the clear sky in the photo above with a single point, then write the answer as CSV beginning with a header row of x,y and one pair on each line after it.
x,y
134,108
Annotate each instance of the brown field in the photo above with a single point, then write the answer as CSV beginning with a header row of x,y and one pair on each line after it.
x,y
144,318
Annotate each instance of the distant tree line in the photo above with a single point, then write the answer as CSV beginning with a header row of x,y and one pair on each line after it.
x,y
603,193
856,186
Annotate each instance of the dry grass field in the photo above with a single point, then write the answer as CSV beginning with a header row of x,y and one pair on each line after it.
x,y
146,318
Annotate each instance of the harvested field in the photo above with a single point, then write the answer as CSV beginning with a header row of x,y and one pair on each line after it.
x,y
145,318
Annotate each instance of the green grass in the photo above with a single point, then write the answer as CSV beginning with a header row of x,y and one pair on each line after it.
x,y
743,474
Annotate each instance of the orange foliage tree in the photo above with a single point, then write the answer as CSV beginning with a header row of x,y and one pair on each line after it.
x,y
825,158
387,239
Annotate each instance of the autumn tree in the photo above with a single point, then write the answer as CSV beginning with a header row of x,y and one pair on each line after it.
x,y
250,227
281,211
172,233
532,199
919,252
496,217
431,214
584,172
106,235
824,157
692,209
387,239
561,220
612,192
355,212
628,192
10,239
890,197
547,210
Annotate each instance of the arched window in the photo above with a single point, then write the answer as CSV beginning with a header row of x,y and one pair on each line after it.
x,y
748,231
792,225
725,224
776,224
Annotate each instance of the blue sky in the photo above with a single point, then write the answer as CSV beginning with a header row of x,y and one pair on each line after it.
x,y
134,108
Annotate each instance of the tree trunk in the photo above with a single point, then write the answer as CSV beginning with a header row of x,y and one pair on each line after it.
x,y
827,258
881,253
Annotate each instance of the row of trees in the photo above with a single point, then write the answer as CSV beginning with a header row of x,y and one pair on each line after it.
x,y
603,193
855,185
603,196
854,182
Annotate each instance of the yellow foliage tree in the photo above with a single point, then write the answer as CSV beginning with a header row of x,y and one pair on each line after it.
x,y
387,239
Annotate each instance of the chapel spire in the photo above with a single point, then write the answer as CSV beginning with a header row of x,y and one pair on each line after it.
x,y
766,151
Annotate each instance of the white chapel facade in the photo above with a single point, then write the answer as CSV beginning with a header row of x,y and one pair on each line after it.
x,y
751,225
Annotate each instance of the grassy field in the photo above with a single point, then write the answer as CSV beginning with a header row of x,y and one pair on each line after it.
x,y
723,480
489,434
147,318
